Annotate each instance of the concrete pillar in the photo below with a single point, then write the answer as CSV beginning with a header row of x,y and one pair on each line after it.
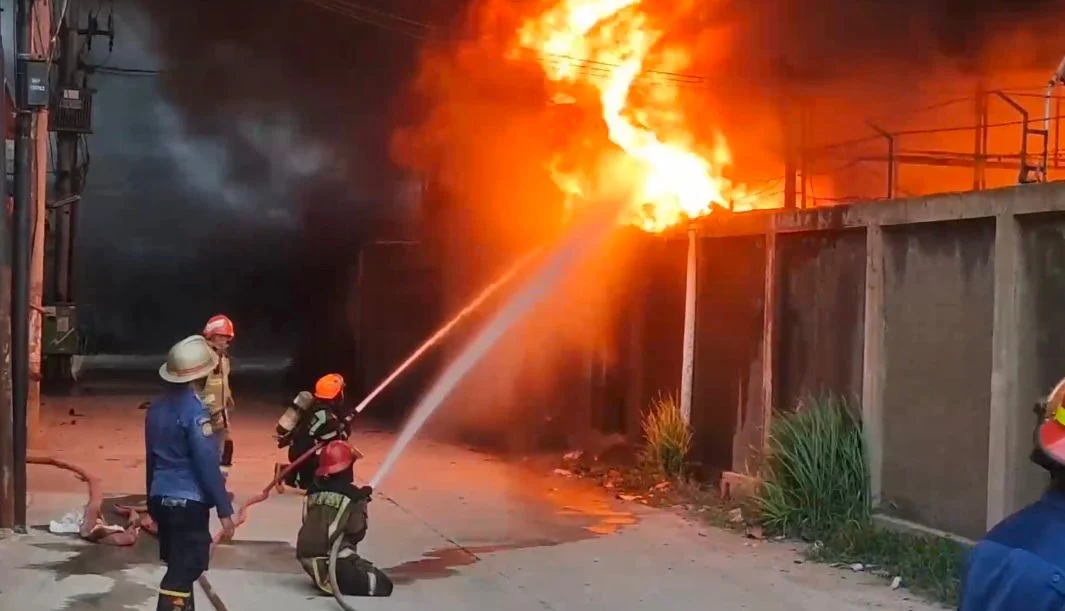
x,y
1004,436
687,376
874,360
770,333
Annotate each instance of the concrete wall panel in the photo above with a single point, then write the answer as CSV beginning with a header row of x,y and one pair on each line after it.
x,y
822,311
728,345
939,306
1042,342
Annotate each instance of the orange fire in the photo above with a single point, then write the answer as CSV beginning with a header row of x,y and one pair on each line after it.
x,y
609,46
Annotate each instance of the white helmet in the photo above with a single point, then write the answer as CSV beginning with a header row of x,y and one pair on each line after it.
x,y
188,360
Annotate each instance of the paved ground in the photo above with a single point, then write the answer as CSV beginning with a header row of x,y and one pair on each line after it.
x,y
528,540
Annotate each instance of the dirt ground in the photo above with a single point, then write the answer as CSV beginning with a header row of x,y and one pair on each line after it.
x,y
456,529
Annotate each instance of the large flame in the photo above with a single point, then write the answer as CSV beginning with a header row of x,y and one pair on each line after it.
x,y
606,44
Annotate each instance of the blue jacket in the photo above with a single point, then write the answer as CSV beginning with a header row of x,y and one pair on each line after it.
x,y
182,454
1020,564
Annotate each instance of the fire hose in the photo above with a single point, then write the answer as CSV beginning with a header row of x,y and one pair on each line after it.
x,y
93,529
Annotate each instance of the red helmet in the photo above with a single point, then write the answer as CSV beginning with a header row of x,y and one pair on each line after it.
x,y
219,325
336,456
1051,433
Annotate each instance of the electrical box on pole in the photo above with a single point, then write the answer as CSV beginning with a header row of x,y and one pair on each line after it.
x,y
71,111
37,90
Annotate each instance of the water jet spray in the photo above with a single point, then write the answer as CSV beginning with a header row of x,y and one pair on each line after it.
x,y
443,331
575,245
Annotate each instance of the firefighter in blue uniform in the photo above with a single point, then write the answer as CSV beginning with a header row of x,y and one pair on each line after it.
x,y
1020,564
184,478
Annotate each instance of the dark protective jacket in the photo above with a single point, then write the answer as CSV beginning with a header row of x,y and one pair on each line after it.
x,y
321,423
1020,564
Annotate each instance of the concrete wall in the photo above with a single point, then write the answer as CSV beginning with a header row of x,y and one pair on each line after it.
x,y
822,305
728,343
938,307
940,314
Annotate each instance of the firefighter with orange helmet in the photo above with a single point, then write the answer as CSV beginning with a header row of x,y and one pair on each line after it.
x,y
1020,564
336,509
325,420
217,393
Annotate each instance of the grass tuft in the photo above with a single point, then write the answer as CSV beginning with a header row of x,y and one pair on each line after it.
x,y
667,438
815,476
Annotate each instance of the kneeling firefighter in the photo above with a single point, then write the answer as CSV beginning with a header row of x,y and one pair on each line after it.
x,y
311,420
1020,564
335,508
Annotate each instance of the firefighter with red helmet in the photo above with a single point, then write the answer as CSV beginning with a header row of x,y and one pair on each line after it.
x,y
301,427
217,393
1019,565
336,508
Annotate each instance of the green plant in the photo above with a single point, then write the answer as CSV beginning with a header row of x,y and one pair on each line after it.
x,y
815,479
667,437
927,564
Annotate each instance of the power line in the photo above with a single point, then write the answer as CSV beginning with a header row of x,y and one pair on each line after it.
x,y
372,16
117,70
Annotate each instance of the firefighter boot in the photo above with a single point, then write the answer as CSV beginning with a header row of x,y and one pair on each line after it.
x,y
175,601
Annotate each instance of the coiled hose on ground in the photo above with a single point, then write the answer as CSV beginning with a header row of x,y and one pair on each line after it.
x,y
92,528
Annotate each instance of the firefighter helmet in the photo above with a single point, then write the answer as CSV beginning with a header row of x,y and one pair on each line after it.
x,y
1050,436
188,360
219,325
329,387
336,456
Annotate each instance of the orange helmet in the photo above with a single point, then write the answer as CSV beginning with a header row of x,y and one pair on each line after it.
x,y
329,387
336,456
219,325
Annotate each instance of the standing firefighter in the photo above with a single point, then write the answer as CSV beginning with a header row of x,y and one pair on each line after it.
x,y
303,426
336,509
184,480
1020,564
217,394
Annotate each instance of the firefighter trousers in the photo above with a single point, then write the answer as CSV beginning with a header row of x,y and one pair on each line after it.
x,y
355,576
184,531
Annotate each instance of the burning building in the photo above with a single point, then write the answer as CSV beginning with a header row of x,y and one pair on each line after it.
x,y
682,109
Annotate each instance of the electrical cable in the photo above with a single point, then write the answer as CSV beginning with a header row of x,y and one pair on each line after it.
x,y
587,66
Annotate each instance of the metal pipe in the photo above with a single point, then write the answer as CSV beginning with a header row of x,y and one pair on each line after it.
x,y
20,299
688,364
891,159
1023,178
1057,78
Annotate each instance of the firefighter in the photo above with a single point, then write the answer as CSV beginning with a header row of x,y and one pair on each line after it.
x,y
184,479
1020,564
336,508
217,394
324,421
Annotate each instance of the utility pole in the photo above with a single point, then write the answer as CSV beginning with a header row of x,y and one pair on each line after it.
x,y
7,448
31,91
66,143
70,119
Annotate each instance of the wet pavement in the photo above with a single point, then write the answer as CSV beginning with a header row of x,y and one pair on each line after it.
x,y
454,528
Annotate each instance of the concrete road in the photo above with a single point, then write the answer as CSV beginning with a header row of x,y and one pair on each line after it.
x,y
456,529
